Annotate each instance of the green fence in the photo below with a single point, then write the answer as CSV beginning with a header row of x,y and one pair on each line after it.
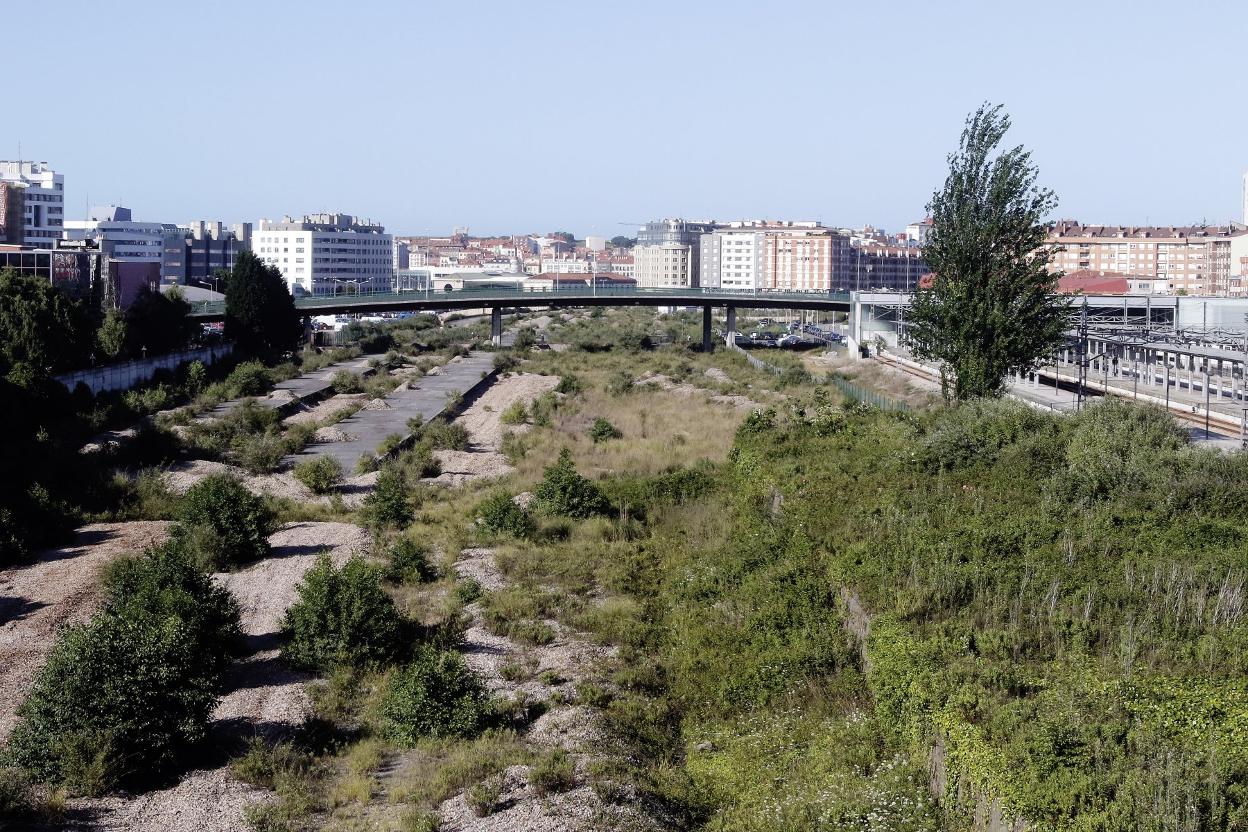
x,y
847,387
862,394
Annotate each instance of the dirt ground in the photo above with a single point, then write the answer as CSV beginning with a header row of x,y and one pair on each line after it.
x,y
61,588
485,429
669,384
875,375
180,477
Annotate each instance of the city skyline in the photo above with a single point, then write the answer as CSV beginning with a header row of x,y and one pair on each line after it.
x,y
607,117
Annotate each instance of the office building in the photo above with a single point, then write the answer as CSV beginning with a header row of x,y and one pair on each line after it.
x,y
326,254
12,214
43,198
667,253
1196,260
74,271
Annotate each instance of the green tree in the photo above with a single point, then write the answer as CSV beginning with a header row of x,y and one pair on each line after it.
x,y
260,314
563,491
158,322
388,505
111,337
620,241
991,309
42,330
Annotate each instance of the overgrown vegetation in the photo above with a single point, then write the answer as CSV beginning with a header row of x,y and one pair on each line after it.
x,y
222,524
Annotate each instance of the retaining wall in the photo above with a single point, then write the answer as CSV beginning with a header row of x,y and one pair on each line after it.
x,y
127,374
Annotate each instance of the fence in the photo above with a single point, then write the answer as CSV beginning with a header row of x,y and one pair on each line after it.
x,y
848,388
127,374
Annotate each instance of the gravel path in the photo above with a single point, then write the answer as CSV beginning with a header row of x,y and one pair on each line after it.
x,y
62,587
485,429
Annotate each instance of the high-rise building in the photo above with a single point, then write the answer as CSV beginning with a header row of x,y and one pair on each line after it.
x,y
1193,259
667,253
43,197
119,237
326,254
195,253
12,214
731,258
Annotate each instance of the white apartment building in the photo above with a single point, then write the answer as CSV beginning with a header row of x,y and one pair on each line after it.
x,y
732,258
326,254
564,265
120,238
44,193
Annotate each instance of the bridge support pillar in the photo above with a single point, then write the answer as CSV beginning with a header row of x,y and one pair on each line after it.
x,y
706,329
496,326
730,337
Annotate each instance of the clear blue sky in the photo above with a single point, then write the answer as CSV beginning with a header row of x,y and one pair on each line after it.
x,y
540,116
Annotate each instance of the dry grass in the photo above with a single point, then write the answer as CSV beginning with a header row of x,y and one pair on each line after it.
x,y
437,770
876,376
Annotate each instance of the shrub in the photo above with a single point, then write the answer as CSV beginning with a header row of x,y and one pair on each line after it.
x,y
1117,447
483,797
444,435
602,430
258,453
435,695
342,617
321,474
344,381
222,523
759,421
388,444
515,414
563,491
569,384
505,362
248,379
388,505
468,590
619,383
975,433
408,563
543,409
499,514
552,773
122,696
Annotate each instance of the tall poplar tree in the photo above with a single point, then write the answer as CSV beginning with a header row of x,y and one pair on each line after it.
x,y
260,314
990,310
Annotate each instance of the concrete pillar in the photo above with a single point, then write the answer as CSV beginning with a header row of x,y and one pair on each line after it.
x,y
731,336
496,326
706,329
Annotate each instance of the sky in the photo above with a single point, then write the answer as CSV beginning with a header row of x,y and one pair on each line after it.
x,y
591,117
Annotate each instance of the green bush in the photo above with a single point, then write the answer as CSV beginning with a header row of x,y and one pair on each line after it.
x,y
554,772
602,430
759,421
435,695
565,492
388,505
444,436
388,444
248,379
514,414
499,514
975,433
483,797
259,453
543,409
343,617
345,381
569,384
321,474
619,383
123,696
1117,447
407,562
223,524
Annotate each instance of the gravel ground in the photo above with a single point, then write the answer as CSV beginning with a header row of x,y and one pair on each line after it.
x,y
265,698
664,382
180,477
575,729
325,408
485,430
59,589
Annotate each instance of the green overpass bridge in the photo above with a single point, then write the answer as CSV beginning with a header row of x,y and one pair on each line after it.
x,y
498,299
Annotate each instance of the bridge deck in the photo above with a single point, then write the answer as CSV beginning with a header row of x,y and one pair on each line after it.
x,y
492,298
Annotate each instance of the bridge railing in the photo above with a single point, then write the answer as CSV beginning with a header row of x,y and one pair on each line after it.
x,y
490,295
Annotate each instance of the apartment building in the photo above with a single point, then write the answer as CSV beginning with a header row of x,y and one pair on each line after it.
x,y
196,252
1196,260
43,200
866,266
667,253
732,258
326,254
801,257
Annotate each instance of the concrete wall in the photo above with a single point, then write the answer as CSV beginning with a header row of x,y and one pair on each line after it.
x,y
130,373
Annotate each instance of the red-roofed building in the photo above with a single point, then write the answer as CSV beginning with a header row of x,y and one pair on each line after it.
x,y
1094,282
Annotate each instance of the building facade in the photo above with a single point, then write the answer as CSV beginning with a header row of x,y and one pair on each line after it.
x,y
1195,260
327,254
667,253
195,253
731,258
12,214
43,198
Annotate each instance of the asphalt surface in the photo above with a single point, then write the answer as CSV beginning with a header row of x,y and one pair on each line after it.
x,y
429,396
